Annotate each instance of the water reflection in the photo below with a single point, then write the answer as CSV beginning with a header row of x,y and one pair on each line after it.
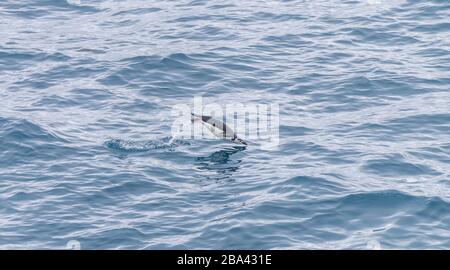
x,y
221,163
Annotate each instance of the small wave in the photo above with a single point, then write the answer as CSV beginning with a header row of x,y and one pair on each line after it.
x,y
394,167
174,62
137,11
41,8
313,186
11,59
23,141
21,130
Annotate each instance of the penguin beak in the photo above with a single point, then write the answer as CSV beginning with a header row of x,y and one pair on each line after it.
x,y
241,141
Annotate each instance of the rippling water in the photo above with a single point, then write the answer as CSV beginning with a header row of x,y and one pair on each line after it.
x,y
86,153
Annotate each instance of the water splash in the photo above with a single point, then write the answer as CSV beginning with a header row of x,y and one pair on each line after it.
x,y
125,146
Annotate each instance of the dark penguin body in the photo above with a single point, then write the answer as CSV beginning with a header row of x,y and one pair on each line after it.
x,y
219,128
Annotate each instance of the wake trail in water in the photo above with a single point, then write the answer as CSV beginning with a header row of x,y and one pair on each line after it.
x,y
168,143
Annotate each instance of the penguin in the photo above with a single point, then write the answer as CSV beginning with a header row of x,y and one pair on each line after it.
x,y
218,128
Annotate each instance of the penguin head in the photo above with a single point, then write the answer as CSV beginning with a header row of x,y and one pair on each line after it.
x,y
239,140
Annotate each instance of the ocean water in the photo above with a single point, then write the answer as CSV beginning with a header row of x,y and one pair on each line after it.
x,y
87,157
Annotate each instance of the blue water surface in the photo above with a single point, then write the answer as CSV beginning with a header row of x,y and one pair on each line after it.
x,y
86,153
